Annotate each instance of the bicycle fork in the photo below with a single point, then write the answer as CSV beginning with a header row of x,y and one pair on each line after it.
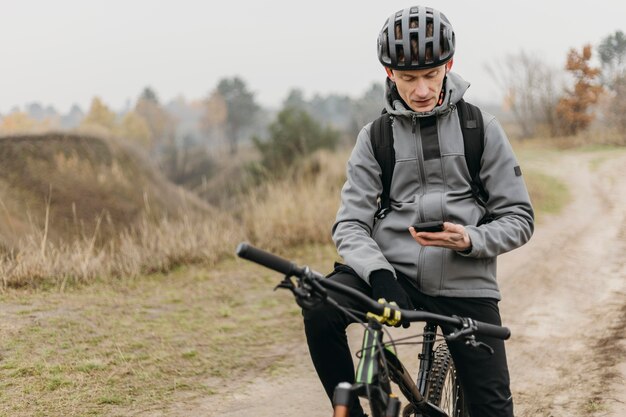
x,y
426,357
372,379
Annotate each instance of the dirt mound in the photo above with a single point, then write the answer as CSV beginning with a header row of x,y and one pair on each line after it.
x,y
79,183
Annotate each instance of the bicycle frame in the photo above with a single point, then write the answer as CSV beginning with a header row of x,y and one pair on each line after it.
x,y
374,373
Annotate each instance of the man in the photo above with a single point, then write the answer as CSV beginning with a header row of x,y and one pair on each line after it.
x,y
453,271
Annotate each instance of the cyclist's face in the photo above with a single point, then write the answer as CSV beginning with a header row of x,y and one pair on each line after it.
x,y
419,88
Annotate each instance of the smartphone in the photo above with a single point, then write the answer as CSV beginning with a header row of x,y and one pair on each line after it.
x,y
436,226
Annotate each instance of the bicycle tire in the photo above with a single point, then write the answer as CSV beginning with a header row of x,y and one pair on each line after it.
x,y
444,389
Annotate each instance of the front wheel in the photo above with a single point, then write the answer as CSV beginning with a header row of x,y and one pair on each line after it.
x,y
443,388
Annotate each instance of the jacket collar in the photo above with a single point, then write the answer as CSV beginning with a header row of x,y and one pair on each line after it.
x,y
454,88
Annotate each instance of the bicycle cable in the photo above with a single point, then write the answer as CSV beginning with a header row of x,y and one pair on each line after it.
x,y
379,346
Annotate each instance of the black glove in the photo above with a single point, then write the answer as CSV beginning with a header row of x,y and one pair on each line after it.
x,y
384,285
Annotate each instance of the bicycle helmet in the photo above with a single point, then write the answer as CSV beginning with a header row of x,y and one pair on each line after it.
x,y
416,38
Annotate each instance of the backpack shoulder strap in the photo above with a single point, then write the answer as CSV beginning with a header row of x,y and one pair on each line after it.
x,y
473,129
381,136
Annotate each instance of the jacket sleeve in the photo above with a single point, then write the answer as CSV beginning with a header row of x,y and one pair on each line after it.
x,y
352,231
508,203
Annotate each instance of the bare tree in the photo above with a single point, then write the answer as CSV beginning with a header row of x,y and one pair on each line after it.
x,y
612,51
214,118
616,111
530,89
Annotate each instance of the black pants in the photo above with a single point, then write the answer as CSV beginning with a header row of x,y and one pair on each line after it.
x,y
484,378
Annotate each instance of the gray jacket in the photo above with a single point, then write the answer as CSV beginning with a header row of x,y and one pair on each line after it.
x,y
431,182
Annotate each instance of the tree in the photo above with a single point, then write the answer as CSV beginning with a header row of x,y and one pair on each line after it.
x,y
293,134
159,121
99,116
241,108
334,109
215,115
135,129
17,122
612,52
149,94
369,106
73,118
574,109
295,99
617,109
530,91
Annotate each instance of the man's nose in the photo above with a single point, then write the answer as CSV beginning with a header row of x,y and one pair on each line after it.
x,y
421,88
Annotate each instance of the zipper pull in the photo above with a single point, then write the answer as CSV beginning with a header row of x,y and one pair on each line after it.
x,y
414,123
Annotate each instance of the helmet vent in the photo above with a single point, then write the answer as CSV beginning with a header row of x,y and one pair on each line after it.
x,y
416,38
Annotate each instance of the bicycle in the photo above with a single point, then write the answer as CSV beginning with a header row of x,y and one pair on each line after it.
x,y
436,391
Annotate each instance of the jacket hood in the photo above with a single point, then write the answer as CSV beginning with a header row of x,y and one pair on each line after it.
x,y
455,87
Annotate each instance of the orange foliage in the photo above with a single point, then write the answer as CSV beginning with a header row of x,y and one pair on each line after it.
x,y
574,109
17,122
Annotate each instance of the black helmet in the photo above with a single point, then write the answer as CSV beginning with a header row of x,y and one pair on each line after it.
x,y
416,38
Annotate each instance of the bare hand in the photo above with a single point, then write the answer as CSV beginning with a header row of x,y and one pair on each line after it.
x,y
453,236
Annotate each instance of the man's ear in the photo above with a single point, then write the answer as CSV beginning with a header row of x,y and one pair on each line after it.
x,y
390,74
449,65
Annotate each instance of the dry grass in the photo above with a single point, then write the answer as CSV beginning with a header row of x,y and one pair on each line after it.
x,y
296,210
300,209
148,247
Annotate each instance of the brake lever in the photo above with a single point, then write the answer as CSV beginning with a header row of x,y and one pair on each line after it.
x,y
471,340
467,333
308,293
287,284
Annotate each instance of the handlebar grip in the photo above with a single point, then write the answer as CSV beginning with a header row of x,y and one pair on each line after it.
x,y
492,330
266,259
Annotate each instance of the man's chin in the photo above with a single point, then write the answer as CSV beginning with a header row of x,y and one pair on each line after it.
x,y
422,108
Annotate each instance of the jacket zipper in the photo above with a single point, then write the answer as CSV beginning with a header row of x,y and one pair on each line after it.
x,y
420,165
422,179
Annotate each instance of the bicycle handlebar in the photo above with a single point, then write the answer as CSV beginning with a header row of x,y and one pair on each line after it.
x,y
268,260
286,267
492,330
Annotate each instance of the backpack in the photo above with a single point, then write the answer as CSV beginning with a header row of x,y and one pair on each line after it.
x,y
473,130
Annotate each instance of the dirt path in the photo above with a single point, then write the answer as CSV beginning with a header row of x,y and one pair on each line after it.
x,y
564,299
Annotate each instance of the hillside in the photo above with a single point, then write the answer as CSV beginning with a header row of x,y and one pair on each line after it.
x,y
84,183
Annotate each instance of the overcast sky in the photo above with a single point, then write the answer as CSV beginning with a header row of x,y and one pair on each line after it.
x,y
66,51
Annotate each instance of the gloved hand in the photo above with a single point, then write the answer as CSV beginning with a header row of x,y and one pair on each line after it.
x,y
384,285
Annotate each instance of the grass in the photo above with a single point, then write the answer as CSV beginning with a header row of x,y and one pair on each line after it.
x,y
594,406
548,194
103,348
605,153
